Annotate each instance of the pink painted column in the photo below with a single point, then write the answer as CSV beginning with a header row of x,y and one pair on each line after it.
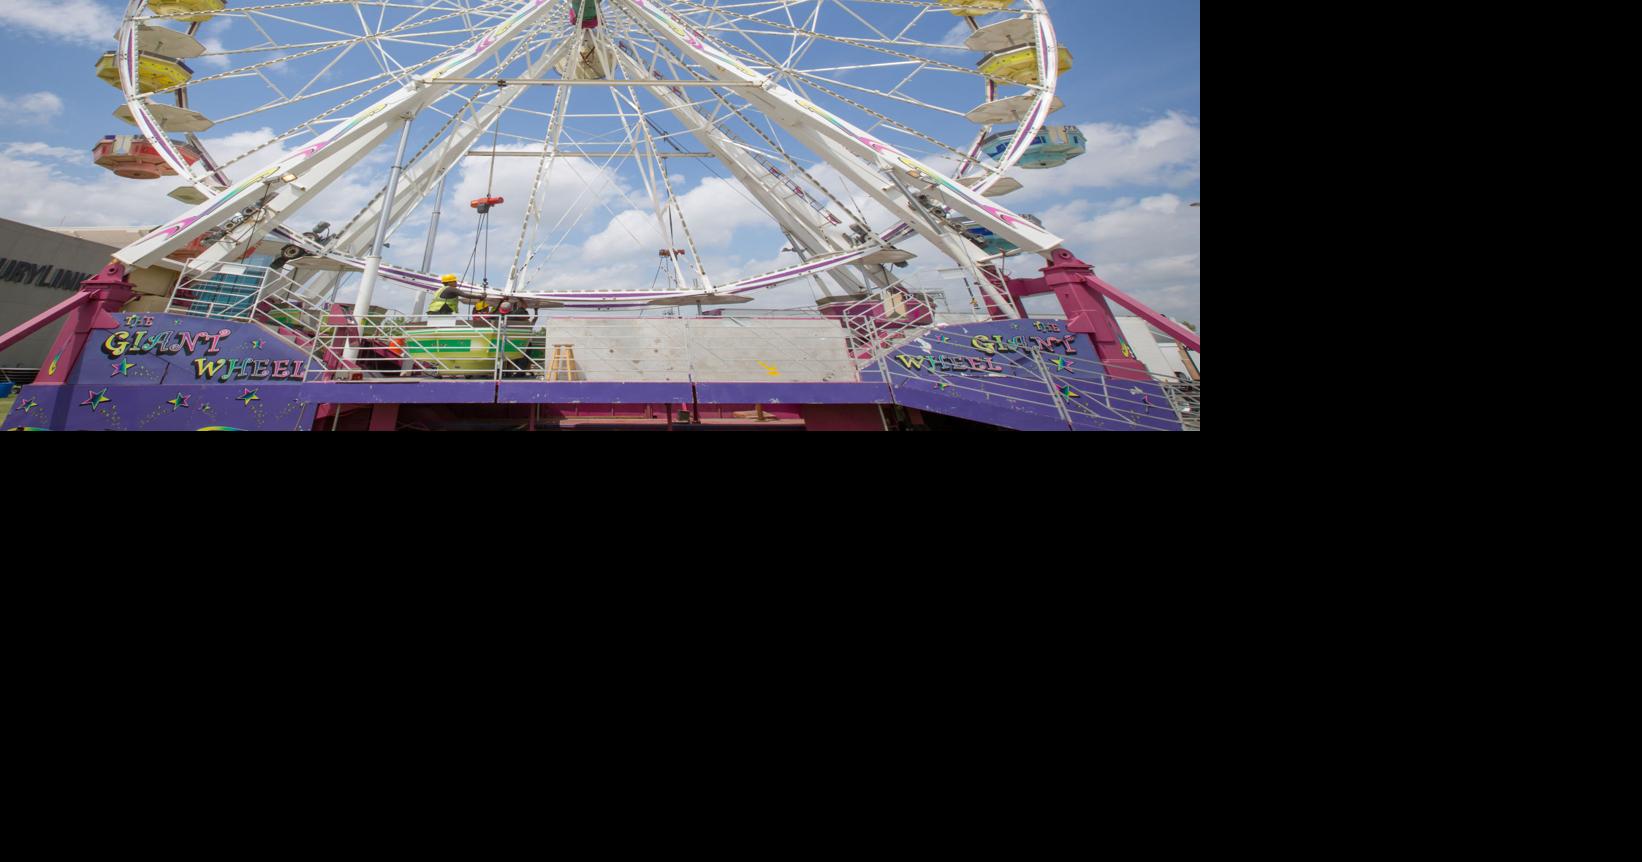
x,y
385,417
341,324
1071,280
837,307
993,312
842,417
43,319
107,292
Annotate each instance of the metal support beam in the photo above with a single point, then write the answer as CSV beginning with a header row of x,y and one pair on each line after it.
x,y
45,318
851,150
446,155
427,253
408,100
810,234
580,82
373,264
628,154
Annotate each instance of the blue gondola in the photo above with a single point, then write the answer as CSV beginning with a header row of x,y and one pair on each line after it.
x,y
1054,146
989,241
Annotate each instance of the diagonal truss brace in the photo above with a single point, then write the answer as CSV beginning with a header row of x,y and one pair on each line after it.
x,y
790,110
813,234
370,122
845,147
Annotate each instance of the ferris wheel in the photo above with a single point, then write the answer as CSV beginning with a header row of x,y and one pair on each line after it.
x,y
850,126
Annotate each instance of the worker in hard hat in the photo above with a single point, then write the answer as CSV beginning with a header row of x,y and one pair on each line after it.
x,y
444,302
484,314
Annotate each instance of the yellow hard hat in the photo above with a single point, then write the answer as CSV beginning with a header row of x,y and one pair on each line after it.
x,y
448,279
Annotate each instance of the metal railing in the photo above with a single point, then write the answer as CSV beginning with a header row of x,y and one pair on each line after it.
x,y
281,308
243,292
1187,397
889,338
1022,375
881,323
20,376
589,350
228,292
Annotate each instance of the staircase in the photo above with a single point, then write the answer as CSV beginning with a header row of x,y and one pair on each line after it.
x,y
880,324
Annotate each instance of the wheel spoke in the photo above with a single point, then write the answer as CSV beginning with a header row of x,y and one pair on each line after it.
x,y
269,79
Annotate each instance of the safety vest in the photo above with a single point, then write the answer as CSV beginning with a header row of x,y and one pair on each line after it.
x,y
443,306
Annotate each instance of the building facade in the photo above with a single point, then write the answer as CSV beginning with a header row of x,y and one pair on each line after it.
x,y
40,268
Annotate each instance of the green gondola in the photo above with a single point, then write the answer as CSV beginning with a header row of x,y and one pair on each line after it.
x,y
465,351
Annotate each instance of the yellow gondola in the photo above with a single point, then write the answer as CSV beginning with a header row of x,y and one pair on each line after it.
x,y
153,72
1020,65
187,10
976,8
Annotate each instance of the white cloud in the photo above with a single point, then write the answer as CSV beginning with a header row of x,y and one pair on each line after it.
x,y
213,58
227,147
715,210
87,22
1150,248
51,186
35,149
1166,152
577,197
32,108
38,190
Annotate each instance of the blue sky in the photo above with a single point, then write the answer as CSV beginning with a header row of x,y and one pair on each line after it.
x,y
1135,90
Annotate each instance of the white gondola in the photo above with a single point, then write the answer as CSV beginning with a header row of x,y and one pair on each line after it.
x,y
1010,110
170,118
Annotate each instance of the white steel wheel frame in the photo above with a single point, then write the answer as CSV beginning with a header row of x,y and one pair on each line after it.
x,y
670,32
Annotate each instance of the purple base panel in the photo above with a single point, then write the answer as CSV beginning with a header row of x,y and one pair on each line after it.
x,y
1002,414
173,350
1028,375
79,407
166,372
414,392
593,393
793,393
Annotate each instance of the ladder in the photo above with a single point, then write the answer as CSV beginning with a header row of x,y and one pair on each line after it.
x,y
562,367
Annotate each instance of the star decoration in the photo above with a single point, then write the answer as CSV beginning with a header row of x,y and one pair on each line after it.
x,y
123,368
256,344
26,406
1062,363
178,403
943,386
96,399
1069,392
248,396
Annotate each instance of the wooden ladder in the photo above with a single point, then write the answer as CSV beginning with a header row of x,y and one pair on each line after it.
x,y
562,367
